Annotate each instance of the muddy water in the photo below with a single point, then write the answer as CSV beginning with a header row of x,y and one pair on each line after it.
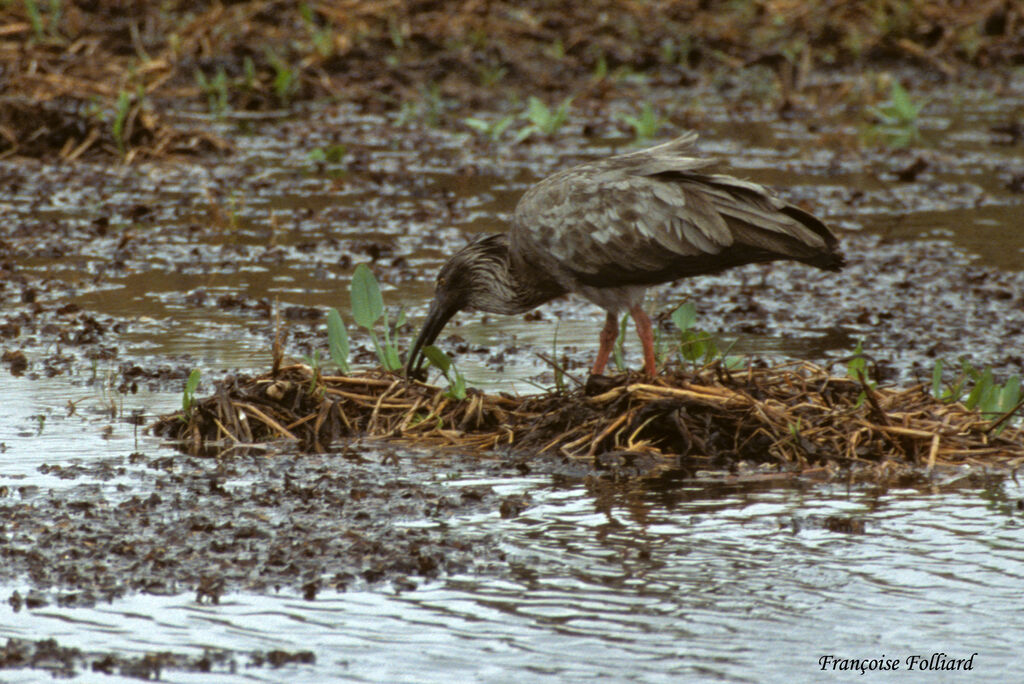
x,y
180,265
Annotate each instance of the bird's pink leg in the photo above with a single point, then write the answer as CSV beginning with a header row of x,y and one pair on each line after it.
x,y
609,333
646,335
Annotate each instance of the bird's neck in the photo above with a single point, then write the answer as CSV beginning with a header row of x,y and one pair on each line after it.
x,y
507,287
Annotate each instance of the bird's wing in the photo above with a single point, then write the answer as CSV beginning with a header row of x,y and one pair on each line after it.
x,y
653,216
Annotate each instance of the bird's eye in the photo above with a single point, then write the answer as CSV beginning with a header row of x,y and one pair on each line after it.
x,y
441,281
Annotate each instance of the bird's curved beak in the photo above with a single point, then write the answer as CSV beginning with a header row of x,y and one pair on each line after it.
x,y
441,310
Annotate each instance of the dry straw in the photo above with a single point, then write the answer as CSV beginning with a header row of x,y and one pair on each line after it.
x,y
797,417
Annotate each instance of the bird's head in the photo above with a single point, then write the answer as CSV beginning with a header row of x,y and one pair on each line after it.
x,y
474,278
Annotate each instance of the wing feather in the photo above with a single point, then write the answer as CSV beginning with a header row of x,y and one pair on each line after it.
x,y
652,216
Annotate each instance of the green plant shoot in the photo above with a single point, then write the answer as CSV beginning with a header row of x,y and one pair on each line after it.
x,y
542,119
437,358
367,309
897,117
857,369
646,125
188,396
337,340
124,105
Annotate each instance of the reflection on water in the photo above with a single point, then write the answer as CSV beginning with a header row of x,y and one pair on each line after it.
x,y
732,585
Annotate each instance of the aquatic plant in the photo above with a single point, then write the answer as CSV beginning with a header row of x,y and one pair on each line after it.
x,y
646,124
428,109
556,50
328,159
491,74
43,29
321,37
897,118
368,309
542,119
337,340
124,106
456,380
286,80
490,129
995,401
332,154
215,89
857,369
188,395
695,345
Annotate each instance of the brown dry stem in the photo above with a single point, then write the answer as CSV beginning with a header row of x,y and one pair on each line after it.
x,y
792,416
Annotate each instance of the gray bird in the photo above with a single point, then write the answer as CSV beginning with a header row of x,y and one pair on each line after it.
x,y
611,228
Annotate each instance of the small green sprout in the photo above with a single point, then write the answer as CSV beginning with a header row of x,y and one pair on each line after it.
x,y
124,107
215,89
542,119
456,380
897,118
286,80
188,396
646,125
491,74
857,369
490,129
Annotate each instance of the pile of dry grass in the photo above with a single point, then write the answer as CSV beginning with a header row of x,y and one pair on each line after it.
x,y
797,417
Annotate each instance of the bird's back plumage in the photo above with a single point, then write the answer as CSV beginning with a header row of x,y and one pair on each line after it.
x,y
657,215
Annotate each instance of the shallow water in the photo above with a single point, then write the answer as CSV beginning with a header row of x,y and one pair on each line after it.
x,y
731,583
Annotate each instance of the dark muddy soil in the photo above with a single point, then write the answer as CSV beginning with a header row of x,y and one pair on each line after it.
x,y
64,662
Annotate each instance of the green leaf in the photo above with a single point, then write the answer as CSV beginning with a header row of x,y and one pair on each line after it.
x,y
367,302
458,388
981,390
937,380
685,316
693,345
188,397
537,111
389,353
501,125
436,356
337,340
733,362
1009,396
856,368
391,360
479,125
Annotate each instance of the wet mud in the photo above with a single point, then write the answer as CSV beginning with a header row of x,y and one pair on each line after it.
x,y
271,521
67,662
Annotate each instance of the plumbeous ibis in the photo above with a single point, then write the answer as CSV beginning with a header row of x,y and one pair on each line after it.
x,y
609,229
